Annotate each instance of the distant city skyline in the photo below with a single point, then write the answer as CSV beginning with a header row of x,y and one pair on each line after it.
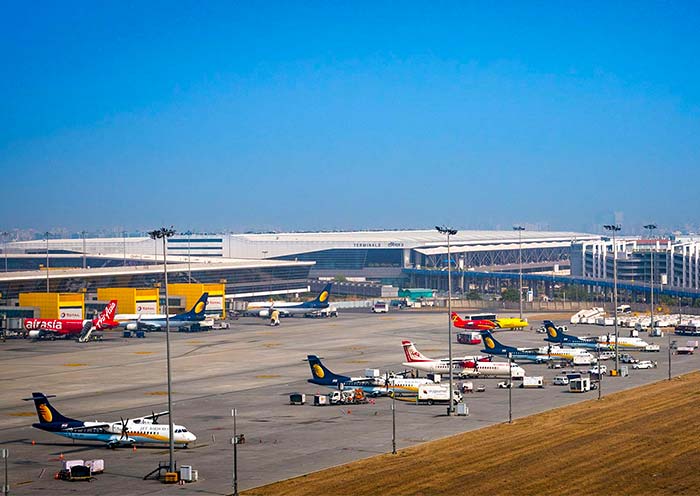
x,y
323,116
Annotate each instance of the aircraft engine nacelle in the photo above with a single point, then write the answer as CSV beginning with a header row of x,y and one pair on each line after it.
x,y
469,364
264,313
34,334
132,327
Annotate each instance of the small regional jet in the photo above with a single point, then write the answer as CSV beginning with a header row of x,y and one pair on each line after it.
x,y
66,328
115,434
287,308
473,366
371,386
155,322
537,355
472,324
556,335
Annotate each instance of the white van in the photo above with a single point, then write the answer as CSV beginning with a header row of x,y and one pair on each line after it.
x,y
560,380
380,307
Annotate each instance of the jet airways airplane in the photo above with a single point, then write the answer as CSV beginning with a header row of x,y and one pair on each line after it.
x,y
473,366
537,355
66,328
154,322
372,386
287,308
115,434
556,335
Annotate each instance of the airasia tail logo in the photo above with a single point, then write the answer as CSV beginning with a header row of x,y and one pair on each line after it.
x,y
47,324
106,315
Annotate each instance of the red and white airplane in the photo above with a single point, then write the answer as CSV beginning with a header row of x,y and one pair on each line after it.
x,y
476,325
470,366
58,328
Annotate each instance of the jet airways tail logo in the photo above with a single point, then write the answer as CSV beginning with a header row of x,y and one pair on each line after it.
x,y
489,343
318,371
199,307
323,296
45,413
552,331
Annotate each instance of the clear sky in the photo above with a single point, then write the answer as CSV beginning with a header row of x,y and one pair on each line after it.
x,y
349,115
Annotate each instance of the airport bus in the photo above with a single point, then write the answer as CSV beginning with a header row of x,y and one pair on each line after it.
x,y
481,316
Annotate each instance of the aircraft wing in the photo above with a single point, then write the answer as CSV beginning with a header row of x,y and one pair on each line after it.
x,y
87,427
153,416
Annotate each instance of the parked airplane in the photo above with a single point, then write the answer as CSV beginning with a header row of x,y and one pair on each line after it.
x,y
54,328
624,342
125,432
537,355
479,325
155,322
556,335
287,308
372,386
511,323
466,365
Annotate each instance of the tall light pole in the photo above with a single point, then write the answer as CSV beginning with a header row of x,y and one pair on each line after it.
x,y
5,234
651,227
614,228
449,232
165,233
510,388
234,414
520,230
47,234
124,238
84,250
189,266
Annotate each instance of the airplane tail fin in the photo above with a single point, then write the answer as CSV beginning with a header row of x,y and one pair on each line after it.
x,y
554,335
321,374
492,345
322,298
412,354
46,412
197,312
106,317
457,320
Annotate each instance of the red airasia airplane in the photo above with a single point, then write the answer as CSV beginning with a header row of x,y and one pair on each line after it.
x,y
477,325
58,328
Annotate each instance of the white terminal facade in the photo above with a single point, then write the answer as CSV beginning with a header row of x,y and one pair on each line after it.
x,y
378,255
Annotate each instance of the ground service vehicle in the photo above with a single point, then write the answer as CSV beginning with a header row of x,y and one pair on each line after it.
x,y
434,394
468,337
532,382
560,380
580,385
380,307
684,350
644,364
652,347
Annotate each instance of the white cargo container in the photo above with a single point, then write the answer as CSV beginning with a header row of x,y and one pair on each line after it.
x,y
67,464
371,372
579,385
96,466
434,393
532,382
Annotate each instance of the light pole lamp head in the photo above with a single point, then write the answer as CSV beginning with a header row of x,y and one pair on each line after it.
x,y
613,227
446,230
163,232
518,228
650,226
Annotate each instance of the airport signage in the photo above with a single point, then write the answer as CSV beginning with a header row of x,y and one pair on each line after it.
x,y
215,303
374,244
146,307
68,313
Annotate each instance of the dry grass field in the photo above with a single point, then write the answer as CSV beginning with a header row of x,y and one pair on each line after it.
x,y
642,441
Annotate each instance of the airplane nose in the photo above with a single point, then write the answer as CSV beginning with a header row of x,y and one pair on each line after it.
x,y
191,437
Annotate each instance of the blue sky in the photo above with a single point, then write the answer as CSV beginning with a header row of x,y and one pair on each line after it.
x,y
329,115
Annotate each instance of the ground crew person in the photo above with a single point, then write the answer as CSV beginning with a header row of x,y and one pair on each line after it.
x,y
275,318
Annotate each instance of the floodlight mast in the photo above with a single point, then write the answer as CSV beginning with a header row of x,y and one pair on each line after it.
x,y
164,233
449,232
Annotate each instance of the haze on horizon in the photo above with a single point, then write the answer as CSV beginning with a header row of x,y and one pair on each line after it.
x,y
322,116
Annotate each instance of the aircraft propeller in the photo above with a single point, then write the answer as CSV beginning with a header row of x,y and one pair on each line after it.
x,y
125,430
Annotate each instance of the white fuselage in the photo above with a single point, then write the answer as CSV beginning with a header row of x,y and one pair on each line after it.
x,y
442,366
495,369
623,342
137,432
566,353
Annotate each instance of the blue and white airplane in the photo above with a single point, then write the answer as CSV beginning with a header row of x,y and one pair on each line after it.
x,y
126,432
538,355
371,386
556,335
287,308
156,322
